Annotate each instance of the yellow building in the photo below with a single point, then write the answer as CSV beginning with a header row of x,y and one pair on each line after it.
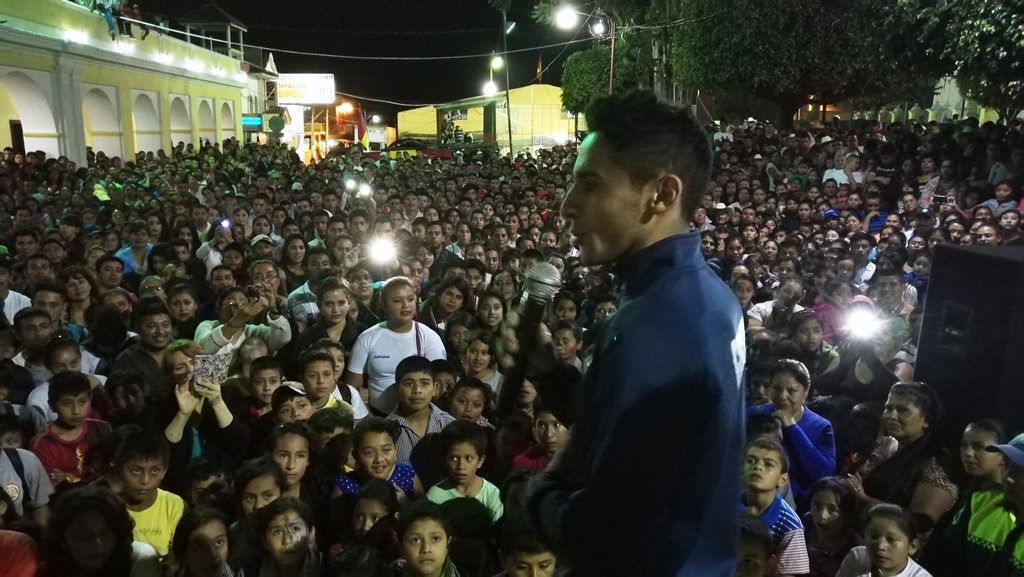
x,y
65,85
538,119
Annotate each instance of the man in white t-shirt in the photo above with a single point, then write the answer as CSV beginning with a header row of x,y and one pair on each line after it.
x,y
776,313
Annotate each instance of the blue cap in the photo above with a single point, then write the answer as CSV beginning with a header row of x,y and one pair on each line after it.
x,y
1013,451
91,229
830,213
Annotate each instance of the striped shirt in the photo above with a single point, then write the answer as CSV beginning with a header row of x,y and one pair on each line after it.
x,y
788,534
408,437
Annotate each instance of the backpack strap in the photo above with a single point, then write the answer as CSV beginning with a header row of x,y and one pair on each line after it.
x,y
19,469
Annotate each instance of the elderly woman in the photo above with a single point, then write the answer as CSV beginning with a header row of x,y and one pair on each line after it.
x,y
806,436
236,312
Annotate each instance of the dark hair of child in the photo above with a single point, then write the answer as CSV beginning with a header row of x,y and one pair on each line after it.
x,y
774,446
254,469
280,507
327,420
293,428
267,363
335,453
477,384
75,504
443,366
759,424
413,364
459,431
192,520
54,345
845,496
422,510
903,518
143,446
571,326
314,356
514,484
755,531
67,385
519,535
374,425
998,429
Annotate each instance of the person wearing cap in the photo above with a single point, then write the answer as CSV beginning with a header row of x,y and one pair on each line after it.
x,y
543,204
984,538
11,301
262,247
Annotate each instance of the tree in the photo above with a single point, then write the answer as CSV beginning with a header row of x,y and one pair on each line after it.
x,y
983,42
584,77
788,50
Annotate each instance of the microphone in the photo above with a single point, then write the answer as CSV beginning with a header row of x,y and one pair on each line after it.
x,y
541,281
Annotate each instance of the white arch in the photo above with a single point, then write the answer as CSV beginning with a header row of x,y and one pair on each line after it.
x,y
207,124
102,123
227,121
34,112
146,116
181,122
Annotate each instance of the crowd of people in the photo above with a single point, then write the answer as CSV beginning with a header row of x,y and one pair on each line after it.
x,y
218,361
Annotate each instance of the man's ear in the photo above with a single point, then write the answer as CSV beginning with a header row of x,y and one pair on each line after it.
x,y
668,193
914,546
783,479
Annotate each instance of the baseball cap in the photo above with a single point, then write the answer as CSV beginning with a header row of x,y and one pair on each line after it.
x,y
543,192
758,157
91,229
296,186
1013,451
286,392
826,139
260,238
830,213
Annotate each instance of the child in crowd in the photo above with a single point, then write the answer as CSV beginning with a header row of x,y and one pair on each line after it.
x,y
292,447
568,337
831,533
265,377
208,480
765,471
445,374
329,423
424,534
374,514
290,404
342,391
548,434
892,541
481,360
63,445
316,373
201,544
416,414
288,539
258,483
465,450
374,446
755,548
127,393
140,465
470,399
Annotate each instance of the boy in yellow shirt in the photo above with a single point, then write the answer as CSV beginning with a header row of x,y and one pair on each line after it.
x,y
141,463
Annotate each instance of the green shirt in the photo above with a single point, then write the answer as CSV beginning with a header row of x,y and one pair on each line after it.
x,y
488,495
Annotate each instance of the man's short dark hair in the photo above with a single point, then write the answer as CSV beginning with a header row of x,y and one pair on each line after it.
x,y
650,137
108,258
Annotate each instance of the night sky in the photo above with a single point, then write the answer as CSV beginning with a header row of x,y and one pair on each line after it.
x,y
369,29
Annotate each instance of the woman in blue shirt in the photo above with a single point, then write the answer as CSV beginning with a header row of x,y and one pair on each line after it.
x,y
806,436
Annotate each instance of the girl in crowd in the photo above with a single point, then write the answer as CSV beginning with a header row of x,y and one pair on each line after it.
x,y
182,303
891,539
481,361
257,483
374,448
200,544
293,251
490,311
807,331
293,448
90,535
830,530
82,293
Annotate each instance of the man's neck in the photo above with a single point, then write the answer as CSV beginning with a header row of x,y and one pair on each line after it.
x,y
67,433
148,502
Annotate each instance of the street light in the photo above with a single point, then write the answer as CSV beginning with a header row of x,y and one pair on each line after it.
x,y
346,108
490,88
375,119
598,28
566,17
497,62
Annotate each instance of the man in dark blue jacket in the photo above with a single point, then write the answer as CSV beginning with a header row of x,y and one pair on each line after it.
x,y
648,483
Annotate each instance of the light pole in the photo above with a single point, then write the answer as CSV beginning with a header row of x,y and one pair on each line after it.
x,y
508,99
566,18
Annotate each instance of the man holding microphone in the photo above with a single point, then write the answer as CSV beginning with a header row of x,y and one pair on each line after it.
x,y
648,483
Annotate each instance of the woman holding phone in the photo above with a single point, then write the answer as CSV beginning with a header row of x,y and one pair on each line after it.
x,y
200,418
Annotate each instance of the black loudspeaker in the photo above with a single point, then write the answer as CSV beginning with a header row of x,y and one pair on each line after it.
x,y
971,348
